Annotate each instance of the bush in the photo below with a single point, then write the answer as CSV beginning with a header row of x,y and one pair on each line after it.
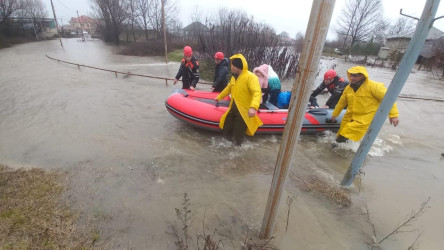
x,y
233,32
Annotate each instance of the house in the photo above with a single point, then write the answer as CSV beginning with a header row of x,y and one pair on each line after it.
x,y
84,23
398,43
194,29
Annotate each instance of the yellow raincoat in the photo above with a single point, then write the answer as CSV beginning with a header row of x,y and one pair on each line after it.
x,y
361,106
246,92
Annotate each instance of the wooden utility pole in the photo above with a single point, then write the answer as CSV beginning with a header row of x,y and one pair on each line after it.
x,y
321,12
164,37
57,24
164,31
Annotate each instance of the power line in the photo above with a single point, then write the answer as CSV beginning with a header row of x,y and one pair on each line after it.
x,y
66,7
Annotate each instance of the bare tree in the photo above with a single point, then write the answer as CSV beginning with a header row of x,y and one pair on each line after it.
x,y
380,31
133,15
299,43
155,15
8,8
358,20
36,10
143,7
284,34
402,26
113,13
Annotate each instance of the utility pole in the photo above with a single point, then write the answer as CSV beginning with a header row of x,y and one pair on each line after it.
x,y
317,28
164,31
64,33
81,30
398,81
164,37
57,24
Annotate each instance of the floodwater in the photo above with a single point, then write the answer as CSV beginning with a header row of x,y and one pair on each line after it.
x,y
129,161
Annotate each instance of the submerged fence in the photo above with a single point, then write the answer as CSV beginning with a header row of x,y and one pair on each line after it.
x,y
116,72
126,74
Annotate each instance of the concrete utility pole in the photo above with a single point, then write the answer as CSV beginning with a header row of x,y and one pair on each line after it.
x,y
57,24
398,81
317,29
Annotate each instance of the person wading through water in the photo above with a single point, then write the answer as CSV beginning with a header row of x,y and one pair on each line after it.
x,y
362,98
241,117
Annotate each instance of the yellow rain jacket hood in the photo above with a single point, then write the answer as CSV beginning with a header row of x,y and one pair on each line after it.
x,y
361,106
246,92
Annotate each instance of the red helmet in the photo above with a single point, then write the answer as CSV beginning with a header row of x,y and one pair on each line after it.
x,y
219,56
330,74
187,51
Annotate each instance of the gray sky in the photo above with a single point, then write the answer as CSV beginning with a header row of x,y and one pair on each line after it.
x,y
283,15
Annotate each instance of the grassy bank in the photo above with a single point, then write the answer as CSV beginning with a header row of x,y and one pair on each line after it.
x,y
6,42
34,215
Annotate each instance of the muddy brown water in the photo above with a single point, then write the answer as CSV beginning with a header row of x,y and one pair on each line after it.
x,y
130,160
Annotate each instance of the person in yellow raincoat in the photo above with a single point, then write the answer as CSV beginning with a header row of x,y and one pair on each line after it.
x,y
362,98
241,117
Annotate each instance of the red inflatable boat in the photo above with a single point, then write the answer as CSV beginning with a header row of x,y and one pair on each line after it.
x,y
199,109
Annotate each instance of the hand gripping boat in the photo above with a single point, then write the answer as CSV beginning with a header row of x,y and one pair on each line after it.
x,y
199,109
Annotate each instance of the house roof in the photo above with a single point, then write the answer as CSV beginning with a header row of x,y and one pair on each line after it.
x,y
196,26
434,33
83,19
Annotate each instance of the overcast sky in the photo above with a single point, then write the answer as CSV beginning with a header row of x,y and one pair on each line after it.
x,y
283,15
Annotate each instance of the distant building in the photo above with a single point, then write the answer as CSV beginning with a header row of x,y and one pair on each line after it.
x,y
400,42
195,28
84,23
287,41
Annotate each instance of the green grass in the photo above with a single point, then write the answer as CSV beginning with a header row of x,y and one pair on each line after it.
x,y
175,55
34,216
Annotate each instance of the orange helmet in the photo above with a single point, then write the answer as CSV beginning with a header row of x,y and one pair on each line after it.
x,y
187,51
219,56
330,74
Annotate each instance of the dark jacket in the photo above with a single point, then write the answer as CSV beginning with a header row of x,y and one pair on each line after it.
x,y
336,87
189,71
221,75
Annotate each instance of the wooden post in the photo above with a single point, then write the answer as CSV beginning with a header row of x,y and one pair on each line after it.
x,y
57,24
315,36
164,37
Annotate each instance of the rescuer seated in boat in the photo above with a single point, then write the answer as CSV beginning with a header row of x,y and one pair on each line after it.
x,y
334,84
360,108
188,70
269,82
221,72
241,117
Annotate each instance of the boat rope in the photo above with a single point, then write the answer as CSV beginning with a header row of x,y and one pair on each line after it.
x,y
116,73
